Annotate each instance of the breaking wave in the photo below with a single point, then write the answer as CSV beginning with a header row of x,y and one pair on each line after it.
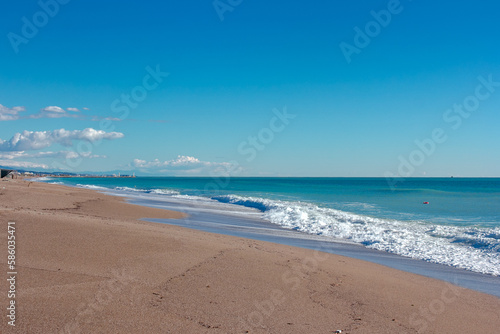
x,y
472,248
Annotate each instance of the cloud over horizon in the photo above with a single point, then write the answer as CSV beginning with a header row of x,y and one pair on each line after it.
x,y
49,155
23,164
10,114
185,165
36,140
54,112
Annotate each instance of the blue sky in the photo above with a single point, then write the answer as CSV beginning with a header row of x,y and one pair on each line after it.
x,y
254,88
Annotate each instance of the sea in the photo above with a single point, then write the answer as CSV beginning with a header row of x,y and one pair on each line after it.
x,y
452,222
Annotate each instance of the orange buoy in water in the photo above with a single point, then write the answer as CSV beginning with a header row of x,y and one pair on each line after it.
x,y
426,202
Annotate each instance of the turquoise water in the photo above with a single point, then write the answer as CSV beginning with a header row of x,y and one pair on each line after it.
x,y
451,200
459,227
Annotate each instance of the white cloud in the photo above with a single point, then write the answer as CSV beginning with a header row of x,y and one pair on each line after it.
x,y
186,165
47,155
53,109
23,164
181,161
11,158
10,114
35,140
53,112
91,156
100,118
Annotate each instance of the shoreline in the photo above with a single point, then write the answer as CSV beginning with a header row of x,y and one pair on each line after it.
x,y
245,224
87,263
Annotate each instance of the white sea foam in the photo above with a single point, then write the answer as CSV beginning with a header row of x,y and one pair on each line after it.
x,y
129,189
193,198
161,191
90,186
164,192
472,248
356,205
41,179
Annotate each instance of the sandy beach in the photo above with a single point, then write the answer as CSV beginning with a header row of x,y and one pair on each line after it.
x,y
85,263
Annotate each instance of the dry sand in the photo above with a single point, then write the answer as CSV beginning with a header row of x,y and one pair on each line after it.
x,y
86,265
